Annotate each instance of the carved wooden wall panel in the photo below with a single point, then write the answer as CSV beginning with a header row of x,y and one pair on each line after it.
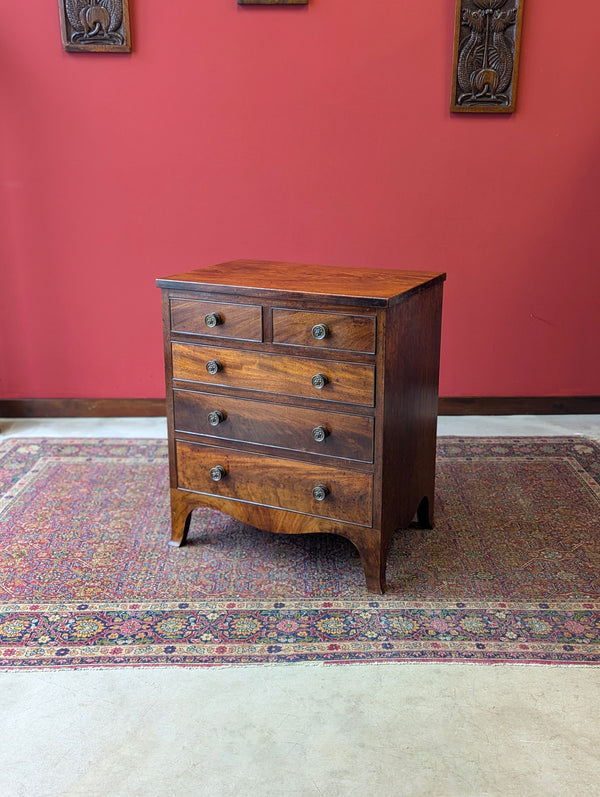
x,y
487,39
95,25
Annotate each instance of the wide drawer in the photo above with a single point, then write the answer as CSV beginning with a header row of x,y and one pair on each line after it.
x,y
325,330
219,320
272,481
316,431
352,383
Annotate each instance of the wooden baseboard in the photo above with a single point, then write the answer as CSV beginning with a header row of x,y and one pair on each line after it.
x,y
128,408
520,405
81,408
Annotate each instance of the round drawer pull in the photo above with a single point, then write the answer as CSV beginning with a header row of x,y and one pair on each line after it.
x,y
320,492
213,320
320,331
216,417
217,473
213,367
319,433
319,381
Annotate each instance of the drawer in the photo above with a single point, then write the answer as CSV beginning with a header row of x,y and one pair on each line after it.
x,y
313,431
276,482
352,383
325,330
219,320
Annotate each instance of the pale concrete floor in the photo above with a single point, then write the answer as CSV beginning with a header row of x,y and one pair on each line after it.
x,y
479,426
431,730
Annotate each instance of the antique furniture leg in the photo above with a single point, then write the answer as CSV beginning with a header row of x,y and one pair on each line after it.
x,y
425,514
181,516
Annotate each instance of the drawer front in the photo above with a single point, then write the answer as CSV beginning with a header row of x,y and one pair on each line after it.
x,y
351,383
281,426
324,330
227,321
276,482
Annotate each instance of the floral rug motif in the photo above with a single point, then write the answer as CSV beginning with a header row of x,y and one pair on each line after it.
x,y
510,573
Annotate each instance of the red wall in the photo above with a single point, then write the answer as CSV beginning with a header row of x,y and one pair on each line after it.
x,y
316,133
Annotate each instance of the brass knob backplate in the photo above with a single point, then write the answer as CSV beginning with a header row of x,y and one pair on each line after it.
x,y
213,320
319,433
319,381
320,331
320,492
216,417
217,473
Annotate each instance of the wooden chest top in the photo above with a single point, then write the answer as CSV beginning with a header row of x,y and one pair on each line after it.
x,y
299,281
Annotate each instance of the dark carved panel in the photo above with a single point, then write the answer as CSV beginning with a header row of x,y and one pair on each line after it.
x,y
95,25
487,40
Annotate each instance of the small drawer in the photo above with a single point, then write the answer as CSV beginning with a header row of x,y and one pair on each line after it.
x,y
326,380
324,330
227,321
304,487
313,431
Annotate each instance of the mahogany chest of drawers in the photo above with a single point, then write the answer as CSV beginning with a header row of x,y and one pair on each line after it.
x,y
304,399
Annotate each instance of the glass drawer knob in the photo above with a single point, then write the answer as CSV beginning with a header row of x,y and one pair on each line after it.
x,y
320,331
216,417
213,367
213,320
320,492
319,381
319,433
217,473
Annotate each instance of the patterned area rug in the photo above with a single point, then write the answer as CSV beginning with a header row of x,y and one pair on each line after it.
x,y
511,572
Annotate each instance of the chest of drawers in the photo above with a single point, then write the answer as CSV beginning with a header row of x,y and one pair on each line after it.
x,y
304,399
